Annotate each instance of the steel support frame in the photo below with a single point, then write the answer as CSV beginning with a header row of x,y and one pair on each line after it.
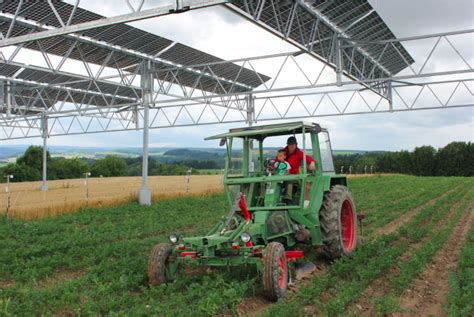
x,y
45,135
135,15
23,121
334,45
144,196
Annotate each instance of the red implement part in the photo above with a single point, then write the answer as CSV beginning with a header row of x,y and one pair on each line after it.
x,y
297,254
190,254
243,207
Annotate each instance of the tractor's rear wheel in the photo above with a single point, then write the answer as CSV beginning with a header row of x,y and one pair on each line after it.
x,y
338,222
161,266
275,271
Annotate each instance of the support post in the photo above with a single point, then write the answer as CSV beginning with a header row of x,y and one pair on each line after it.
x,y
338,55
250,110
389,95
144,197
44,127
8,99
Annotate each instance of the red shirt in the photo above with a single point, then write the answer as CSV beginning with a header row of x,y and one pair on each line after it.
x,y
295,160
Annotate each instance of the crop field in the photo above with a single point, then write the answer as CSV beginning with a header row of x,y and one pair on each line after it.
x,y
63,196
417,259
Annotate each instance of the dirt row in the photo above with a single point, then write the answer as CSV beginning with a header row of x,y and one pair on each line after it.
x,y
399,222
381,286
428,294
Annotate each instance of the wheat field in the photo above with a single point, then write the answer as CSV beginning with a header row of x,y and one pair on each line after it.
x,y
65,196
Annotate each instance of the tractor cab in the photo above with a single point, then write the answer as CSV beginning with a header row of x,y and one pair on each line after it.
x,y
271,213
250,165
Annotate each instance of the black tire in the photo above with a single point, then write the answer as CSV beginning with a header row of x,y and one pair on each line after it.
x,y
338,239
160,258
275,271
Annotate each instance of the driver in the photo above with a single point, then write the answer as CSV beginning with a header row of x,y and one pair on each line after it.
x,y
294,157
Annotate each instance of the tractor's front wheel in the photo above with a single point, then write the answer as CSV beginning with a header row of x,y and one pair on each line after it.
x,y
338,222
162,267
275,271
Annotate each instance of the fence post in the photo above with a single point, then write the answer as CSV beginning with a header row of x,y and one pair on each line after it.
x,y
7,189
188,176
86,185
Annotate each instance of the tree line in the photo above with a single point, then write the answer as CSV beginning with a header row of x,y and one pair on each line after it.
x,y
455,159
29,166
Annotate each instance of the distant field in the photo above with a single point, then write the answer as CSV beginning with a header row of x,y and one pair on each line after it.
x,y
64,196
416,260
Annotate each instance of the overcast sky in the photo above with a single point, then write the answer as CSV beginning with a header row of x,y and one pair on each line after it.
x,y
221,33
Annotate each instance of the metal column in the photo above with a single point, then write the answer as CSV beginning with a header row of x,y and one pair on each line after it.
x,y
338,61
250,109
44,127
8,99
144,197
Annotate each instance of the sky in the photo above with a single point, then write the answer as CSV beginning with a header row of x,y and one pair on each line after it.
x,y
220,32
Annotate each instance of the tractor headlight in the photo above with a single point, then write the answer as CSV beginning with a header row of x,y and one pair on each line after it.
x,y
245,237
174,238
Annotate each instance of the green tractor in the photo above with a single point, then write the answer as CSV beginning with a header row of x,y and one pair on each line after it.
x,y
266,226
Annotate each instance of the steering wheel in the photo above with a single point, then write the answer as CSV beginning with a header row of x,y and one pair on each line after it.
x,y
269,165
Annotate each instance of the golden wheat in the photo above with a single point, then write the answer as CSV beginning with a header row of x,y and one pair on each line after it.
x,y
65,196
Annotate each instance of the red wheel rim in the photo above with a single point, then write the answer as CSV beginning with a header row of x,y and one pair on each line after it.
x,y
347,225
282,280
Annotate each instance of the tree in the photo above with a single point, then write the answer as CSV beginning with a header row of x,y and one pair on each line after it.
x,y
109,166
67,168
22,172
455,159
423,161
33,157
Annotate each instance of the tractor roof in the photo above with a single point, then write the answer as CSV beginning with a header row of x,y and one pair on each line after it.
x,y
262,131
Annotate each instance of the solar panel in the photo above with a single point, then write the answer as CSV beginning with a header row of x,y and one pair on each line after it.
x,y
99,93
121,35
353,20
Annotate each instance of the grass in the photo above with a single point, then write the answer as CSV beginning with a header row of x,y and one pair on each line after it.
x,y
94,261
461,282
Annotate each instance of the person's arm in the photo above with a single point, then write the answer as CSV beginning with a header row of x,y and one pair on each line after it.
x,y
309,161
288,168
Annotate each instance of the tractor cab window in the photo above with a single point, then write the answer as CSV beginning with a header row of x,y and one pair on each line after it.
x,y
254,157
236,157
326,152
273,143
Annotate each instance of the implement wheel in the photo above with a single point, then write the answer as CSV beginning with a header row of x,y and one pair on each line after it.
x,y
162,267
338,222
275,271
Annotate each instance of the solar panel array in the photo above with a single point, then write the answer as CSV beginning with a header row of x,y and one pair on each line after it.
x,y
355,19
25,91
224,76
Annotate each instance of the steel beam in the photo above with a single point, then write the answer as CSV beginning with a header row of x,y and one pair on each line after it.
x,y
144,197
125,18
44,126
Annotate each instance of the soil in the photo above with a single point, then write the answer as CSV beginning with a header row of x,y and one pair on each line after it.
x,y
428,294
423,297
399,222
256,305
